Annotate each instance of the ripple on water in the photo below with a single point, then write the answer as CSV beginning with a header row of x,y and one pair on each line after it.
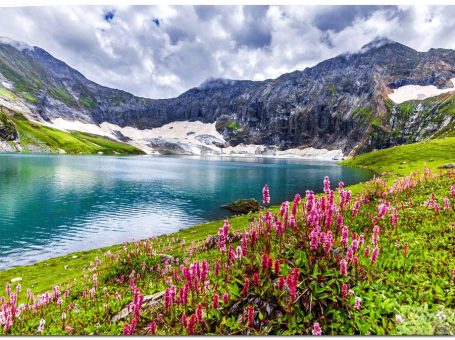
x,y
53,205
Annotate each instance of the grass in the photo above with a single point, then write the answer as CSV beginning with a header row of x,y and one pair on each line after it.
x,y
34,134
402,160
7,94
417,286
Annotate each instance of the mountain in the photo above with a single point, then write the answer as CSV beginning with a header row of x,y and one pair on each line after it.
x,y
341,103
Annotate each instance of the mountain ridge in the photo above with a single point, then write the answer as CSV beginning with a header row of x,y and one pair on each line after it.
x,y
316,107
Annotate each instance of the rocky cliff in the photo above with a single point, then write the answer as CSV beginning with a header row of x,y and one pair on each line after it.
x,y
341,103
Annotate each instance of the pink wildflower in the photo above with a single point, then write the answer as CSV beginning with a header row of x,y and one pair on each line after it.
x,y
357,303
317,329
343,268
216,302
225,298
245,287
344,290
375,254
266,194
152,327
69,329
250,316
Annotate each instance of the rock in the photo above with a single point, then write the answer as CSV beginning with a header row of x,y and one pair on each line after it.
x,y
75,256
149,301
16,279
7,129
447,166
243,206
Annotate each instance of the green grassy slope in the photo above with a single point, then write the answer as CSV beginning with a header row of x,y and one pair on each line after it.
x,y
34,137
401,160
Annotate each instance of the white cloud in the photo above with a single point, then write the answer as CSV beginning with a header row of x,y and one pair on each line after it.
x,y
161,51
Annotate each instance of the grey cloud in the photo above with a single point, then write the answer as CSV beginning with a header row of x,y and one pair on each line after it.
x,y
194,43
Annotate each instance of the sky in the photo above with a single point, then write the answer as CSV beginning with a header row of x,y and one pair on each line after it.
x,y
162,51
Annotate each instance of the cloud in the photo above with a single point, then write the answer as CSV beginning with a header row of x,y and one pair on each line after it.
x,y
161,51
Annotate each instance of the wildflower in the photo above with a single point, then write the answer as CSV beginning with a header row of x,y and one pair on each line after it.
x,y
398,318
357,303
69,329
374,240
374,255
245,287
344,290
281,283
63,316
256,279
349,253
152,327
367,251
344,235
326,185
343,268
328,242
405,249
266,194
225,298
250,316
216,302
355,246
190,325
41,325
317,329
314,236
446,203
184,321
355,209
277,267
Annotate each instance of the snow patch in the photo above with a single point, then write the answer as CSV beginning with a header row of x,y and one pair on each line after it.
x,y
417,92
195,138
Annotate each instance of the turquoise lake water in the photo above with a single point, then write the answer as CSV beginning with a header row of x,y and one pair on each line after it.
x,y
52,205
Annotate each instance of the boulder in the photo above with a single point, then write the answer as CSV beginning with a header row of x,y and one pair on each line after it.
x,y
243,206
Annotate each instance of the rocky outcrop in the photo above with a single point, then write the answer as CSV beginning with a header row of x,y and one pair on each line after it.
x,y
243,206
341,103
8,131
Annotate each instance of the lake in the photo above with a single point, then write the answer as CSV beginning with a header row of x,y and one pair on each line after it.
x,y
53,205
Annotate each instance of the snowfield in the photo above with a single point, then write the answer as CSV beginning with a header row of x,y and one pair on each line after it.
x,y
417,92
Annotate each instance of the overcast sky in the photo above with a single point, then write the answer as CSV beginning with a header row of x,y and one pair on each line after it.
x,y
160,51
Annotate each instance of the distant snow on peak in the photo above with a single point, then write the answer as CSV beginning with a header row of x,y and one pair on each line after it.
x,y
19,45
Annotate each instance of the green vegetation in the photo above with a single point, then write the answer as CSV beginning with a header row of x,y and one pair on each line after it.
x,y
233,125
34,135
407,288
28,96
87,102
63,96
7,94
401,160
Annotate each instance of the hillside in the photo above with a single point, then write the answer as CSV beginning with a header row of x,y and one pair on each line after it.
x,y
377,260
339,104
